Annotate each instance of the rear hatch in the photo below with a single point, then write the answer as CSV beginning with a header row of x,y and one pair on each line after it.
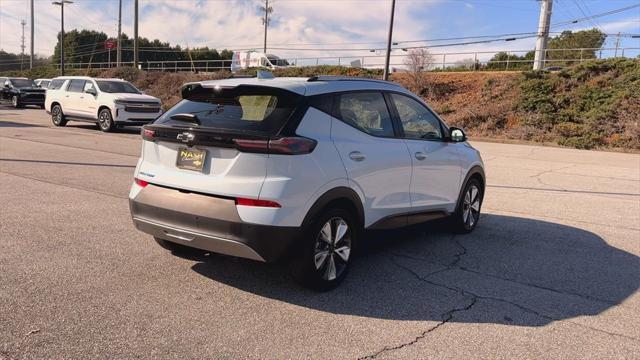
x,y
218,140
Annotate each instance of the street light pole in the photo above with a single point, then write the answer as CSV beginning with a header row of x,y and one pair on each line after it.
x,y
61,4
385,75
119,49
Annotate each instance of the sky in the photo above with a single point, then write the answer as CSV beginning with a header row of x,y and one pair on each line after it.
x,y
313,28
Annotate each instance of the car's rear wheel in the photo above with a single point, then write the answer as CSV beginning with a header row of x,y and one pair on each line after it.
x,y
326,250
467,215
105,120
57,117
178,249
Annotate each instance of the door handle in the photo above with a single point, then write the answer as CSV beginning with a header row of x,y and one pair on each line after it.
x,y
66,96
420,155
357,156
81,97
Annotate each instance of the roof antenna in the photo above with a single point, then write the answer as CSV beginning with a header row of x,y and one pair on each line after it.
x,y
264,74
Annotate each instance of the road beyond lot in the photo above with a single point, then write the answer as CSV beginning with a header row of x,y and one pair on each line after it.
x,y
552,271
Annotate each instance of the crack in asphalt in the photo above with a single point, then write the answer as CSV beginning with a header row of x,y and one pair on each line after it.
x,y
448,316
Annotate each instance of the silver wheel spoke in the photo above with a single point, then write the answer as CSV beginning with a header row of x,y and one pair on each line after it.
x,y
320,258
465,216
325,233
474,194
343,252
476,206
340,231
330,272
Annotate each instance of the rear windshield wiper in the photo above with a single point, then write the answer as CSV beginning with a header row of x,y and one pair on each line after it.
x,y
192,118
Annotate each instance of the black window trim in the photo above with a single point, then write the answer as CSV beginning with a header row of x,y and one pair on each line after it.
x,y
398,122
336,104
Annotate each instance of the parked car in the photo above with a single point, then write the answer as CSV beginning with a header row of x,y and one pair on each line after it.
x,y
298,168
106,102
20,92
42,83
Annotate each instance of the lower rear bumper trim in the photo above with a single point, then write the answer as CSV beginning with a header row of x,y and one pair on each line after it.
x,y
197,240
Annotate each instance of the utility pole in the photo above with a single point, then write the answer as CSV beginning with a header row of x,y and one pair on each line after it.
x,y
32,36
385,75
543,34
119,49
136,59
61,4
617,45
23,23
265,20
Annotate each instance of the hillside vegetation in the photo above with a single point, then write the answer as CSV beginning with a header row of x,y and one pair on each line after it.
x,y
595,104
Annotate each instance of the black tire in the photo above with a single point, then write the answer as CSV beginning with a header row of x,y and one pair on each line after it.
x,y
467,214
15,101
105,120
57,116
178,249
309,267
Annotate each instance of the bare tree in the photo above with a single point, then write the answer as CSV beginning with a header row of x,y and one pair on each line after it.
x,y
418,61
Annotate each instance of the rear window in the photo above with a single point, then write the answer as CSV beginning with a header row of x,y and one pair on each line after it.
x,y
244,108
22,83
56,84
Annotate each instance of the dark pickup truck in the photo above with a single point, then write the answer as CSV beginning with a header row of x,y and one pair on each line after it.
x,y
20,92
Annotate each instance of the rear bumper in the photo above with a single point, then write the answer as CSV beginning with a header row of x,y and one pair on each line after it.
x,y
208,223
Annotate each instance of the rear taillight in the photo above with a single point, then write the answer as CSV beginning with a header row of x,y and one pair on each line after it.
x,y
141,183
256,202
294,145
148,135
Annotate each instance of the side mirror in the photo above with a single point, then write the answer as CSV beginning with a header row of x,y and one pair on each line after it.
x,y
457,135
91,91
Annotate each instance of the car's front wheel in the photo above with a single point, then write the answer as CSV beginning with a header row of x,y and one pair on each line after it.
x,y
15,101
467,215
57,117
326,250
105,120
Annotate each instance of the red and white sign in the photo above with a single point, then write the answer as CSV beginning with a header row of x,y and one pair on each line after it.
x,y
110,44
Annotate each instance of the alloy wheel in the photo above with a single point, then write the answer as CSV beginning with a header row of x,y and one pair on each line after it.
x,y
56,115
471,207
104,120
332,248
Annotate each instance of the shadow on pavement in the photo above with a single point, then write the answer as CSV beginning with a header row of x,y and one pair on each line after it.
x,y
511,270
9,124
118,130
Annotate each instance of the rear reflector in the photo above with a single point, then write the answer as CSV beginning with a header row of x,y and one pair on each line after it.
x,y
147,134
141,183
255,202
295,145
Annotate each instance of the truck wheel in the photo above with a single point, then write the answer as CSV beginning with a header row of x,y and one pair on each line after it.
x,y
57,117
16,102
105,120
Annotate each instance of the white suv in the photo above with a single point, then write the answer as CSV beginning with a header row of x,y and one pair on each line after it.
x,y
299,168
106,102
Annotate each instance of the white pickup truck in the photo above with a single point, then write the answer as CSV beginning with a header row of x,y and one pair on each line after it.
x,y
109,103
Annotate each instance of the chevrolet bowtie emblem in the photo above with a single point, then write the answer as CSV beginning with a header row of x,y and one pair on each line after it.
x,y
186,137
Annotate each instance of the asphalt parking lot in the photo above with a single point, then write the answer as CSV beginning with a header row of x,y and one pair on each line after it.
x,y
552,271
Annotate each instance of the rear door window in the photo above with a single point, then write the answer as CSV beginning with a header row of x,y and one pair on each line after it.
x,y
76,85
243,108
366,111
56,84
